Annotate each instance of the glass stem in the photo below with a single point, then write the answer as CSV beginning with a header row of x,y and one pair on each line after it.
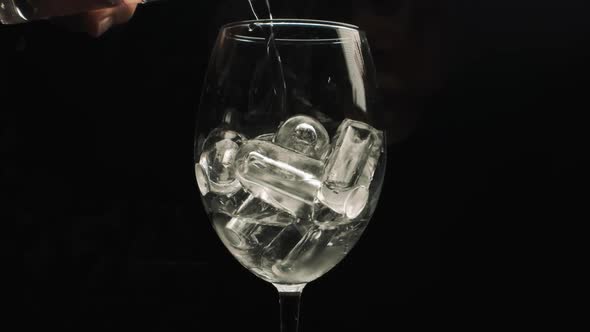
x,y
290,299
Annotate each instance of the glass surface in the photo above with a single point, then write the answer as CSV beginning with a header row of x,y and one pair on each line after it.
x,y
289,157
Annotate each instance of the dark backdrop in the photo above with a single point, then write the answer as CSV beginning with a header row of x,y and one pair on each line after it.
x,y
485,104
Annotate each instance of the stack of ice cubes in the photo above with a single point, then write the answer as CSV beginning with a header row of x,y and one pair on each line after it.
x,y
284,193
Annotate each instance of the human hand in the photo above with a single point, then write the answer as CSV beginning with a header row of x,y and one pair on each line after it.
x,y
91,20
99,21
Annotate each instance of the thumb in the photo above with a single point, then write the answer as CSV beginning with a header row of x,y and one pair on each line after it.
x,y
99,21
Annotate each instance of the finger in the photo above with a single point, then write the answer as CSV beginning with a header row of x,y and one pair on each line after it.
x,y
120,14
98,22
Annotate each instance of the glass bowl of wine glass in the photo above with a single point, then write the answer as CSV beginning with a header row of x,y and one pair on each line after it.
x,y
289,150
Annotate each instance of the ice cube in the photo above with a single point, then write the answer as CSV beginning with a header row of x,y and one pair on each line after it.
x,y
240,233
348,235
250,222
327,218
356,145
255,211
266,137
305,135
245,235
318,252
284,242
202,179
287,180
217,161
308,250
226,204
350,168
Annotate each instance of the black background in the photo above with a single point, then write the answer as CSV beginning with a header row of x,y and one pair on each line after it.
x,y
477,225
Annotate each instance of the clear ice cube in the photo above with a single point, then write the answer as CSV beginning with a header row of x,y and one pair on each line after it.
x,y
226,204
244,235
305,135
327,218
347,236
266,137
307,253
255,211
318,252
280,247
202,179
250,224
287,180
350,168
217,162
240,233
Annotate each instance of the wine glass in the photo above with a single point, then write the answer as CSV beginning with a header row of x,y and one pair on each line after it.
x,y
289,151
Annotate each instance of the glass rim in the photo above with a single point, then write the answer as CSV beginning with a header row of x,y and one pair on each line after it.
x,y
293,21
289,22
